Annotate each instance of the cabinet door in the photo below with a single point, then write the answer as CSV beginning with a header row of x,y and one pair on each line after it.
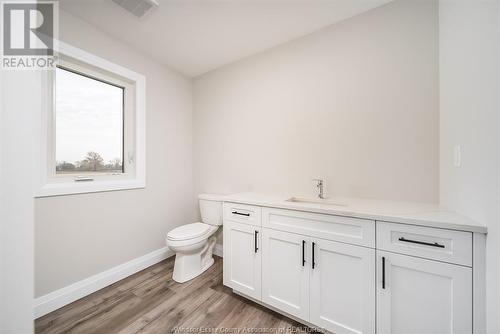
x,y
343,288
418,296
242,258
285,272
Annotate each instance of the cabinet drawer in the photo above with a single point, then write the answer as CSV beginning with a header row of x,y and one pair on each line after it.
x,y
427,242
337,228
242,213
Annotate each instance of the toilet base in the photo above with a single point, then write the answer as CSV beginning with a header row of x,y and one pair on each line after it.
x,y
190,265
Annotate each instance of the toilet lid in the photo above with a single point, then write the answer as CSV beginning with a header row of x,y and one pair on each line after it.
x,y
188,231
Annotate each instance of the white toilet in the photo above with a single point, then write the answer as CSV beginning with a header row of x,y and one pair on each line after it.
x,y
194,243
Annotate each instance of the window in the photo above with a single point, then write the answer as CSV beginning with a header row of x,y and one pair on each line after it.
x,y
89,124
93,127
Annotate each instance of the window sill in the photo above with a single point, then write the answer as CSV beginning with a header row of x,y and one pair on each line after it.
x,y
72,188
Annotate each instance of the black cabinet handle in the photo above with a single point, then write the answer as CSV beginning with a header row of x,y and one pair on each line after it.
x,y
435,244
255,236
240,213
313,263
303,252
383,272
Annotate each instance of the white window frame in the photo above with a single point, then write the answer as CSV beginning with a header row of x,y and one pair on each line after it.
x,y
51,184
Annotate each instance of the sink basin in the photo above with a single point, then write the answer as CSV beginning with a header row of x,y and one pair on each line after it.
x,y
325,201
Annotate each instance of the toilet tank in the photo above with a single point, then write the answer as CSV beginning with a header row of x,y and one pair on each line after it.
x,y
211,209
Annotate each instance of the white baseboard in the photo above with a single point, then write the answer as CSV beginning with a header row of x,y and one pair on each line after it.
x,y
218,250
59,298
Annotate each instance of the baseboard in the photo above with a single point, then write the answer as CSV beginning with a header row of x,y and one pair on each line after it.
x,y
218,250
59,298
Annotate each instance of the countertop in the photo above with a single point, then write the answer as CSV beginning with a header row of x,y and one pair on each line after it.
x,y
422,214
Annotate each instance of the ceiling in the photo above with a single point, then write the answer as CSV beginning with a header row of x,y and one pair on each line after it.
x,y
197,36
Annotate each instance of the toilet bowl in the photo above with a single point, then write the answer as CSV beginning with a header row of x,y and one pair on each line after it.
x,y
194,243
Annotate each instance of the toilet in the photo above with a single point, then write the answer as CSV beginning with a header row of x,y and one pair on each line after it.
x,y
194,243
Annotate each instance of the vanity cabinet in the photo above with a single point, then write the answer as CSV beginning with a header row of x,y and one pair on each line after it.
x,y
342,287
326,283
424,282
285,272
334,289
416,296
351,275
242,258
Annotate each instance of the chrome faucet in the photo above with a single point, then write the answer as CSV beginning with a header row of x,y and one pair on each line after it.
x,y
319,185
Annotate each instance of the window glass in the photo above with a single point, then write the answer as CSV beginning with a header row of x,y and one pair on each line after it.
x,y
89,124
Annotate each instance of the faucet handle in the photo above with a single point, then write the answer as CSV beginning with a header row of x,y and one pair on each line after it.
x,y
320,186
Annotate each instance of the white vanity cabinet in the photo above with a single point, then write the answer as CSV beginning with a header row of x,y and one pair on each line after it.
x,y
416,296
285,272
342,288
350,275
424,282
329,284
326,283
242,258
323,264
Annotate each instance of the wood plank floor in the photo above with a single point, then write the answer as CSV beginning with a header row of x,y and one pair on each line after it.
x,y
151,302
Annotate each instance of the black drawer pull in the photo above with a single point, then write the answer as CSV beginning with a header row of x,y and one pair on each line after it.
x,y
383,272
240,213
435,244
313,263
255,236
303,252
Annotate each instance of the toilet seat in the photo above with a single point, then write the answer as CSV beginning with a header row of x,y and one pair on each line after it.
x,y
188,231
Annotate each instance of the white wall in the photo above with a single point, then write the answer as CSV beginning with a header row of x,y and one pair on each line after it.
x,y
355,104
82,235
469,116
19,106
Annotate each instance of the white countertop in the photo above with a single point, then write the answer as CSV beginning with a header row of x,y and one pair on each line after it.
x,y
423,214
